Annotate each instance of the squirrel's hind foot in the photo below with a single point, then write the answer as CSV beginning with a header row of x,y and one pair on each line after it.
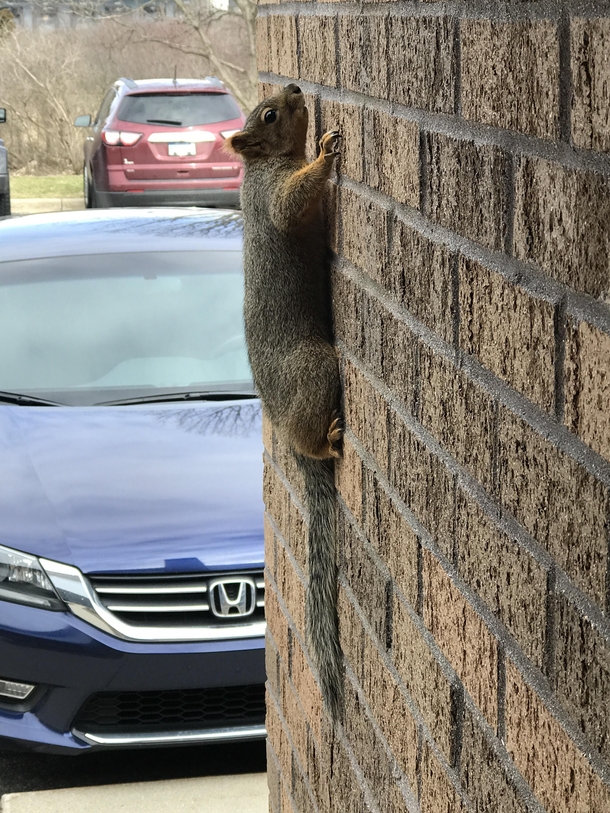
x,y
335,435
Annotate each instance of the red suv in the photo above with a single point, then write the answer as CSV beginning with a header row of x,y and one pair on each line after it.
x,y
160,142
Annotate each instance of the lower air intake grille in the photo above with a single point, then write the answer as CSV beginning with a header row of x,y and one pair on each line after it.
x,y
176,710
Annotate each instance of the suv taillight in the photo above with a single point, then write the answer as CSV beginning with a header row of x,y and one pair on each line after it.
x,y
124,138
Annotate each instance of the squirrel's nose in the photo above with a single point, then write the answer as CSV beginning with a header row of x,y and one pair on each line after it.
x,y
292,88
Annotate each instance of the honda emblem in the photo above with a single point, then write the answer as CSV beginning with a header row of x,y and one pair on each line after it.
x,y
232,597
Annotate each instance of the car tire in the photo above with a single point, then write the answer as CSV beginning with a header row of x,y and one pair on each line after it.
x,y
89,191
5,203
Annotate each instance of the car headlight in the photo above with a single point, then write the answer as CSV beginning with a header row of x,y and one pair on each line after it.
x,y
23,580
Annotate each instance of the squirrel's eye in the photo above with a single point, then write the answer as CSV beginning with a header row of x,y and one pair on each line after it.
x,y
270,116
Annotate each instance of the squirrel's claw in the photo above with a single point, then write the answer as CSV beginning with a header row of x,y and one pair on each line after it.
x,y
329,143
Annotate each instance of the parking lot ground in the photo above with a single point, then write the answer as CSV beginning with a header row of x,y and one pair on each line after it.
x,y
246,793
35,206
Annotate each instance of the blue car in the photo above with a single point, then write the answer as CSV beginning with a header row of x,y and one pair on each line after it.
x,y
131,515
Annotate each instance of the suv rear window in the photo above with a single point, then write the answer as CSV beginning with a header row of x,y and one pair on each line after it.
x,y
178,109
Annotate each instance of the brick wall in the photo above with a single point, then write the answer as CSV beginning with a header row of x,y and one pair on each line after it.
x,y
471,284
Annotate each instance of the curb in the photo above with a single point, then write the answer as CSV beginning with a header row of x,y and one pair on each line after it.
x,y
35,206
246,793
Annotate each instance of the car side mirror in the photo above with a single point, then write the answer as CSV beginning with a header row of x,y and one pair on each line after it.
x,y
82,121
2,115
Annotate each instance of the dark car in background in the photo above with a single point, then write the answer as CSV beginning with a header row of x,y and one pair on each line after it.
x,y
131,533
160,142
5,189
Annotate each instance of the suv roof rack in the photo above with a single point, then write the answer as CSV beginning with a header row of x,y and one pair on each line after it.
x,y
126,81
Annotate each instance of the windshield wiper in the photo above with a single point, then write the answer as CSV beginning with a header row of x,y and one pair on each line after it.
x,y
161,398
26,400
163,121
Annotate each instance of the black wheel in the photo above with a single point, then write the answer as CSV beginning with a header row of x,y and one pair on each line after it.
x,y
5,202
89,191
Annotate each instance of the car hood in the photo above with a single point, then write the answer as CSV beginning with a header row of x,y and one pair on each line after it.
x,y
132,488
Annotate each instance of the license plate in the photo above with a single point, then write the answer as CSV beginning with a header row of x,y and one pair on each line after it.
x,y
181,149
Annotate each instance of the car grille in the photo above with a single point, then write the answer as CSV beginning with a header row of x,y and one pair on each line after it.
x,y
183,600
175,710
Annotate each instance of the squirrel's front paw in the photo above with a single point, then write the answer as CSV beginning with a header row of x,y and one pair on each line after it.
x,y
329,144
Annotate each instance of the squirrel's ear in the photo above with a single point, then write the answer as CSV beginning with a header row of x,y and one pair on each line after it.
x,y
237,143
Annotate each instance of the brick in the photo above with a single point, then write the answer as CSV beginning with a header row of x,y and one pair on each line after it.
x,y
590,46
421,62
278,739
366,414
422,482
351,633
283,45
295,720
398,360
587,385
274,782
300,791
391,145
484,771
348,306
467,190
368,581
423,677
463,637
510,75
291,589
317,50
277,625
306,688
504,575
371,755
561,218
438,793
563,506
421,278
383,695
277,499
459,414
347,118
349,479
272,668
270,544
347,795
265,90
582,664
556,770
395,720
312,147
509,330
363,44
263,46
267,435
364,226
392,537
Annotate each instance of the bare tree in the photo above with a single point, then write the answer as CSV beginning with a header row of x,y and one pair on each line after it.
x,y
49,76
223,37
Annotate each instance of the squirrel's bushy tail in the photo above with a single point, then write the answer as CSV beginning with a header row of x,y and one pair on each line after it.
x,y
322,623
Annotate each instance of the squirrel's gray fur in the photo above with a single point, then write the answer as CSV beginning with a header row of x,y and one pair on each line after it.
x,y
288,324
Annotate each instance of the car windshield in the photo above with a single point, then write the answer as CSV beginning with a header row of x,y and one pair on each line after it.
x,y
88,329
178,109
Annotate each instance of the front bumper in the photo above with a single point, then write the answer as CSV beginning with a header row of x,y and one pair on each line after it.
x,y
69,661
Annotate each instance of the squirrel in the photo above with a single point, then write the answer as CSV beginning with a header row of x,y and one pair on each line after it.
x,y
289,334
